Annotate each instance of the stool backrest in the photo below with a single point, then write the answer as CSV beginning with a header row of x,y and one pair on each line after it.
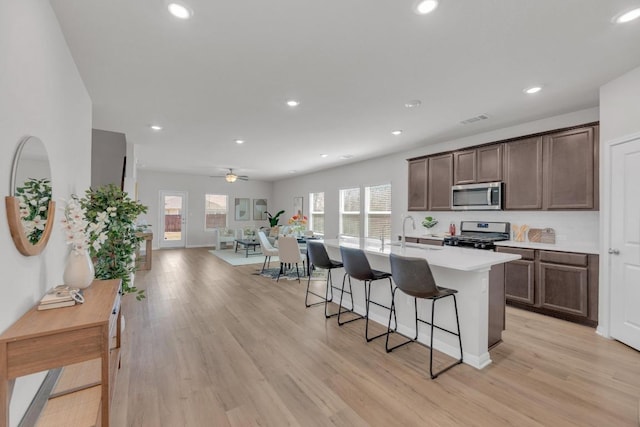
x,y
413,276
318,255
288,250
356,263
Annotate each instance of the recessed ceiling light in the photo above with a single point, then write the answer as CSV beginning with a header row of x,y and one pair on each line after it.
x,y
346,156
324,155
533,89
155,127
239,141
396,132
426,6
627,16
292,171
293,103
413,103
179,10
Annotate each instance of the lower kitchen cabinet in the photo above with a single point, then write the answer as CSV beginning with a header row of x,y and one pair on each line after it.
x,y
564,288
559,284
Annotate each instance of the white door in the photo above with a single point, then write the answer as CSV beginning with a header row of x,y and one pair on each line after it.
x,y
624,258
173,219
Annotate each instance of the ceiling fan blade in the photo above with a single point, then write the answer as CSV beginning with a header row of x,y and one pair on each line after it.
x,y
243,177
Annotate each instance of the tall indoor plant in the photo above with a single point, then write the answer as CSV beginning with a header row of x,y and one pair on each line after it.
x,y
115,258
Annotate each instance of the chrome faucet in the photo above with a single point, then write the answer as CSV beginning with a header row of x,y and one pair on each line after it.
x,y
403,243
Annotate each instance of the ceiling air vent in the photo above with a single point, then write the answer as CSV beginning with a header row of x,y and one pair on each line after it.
x,y
475,119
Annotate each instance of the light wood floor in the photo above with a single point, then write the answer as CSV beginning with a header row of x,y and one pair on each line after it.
x,y
215,345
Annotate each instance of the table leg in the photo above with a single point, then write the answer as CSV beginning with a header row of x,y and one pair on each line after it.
x,y
246,251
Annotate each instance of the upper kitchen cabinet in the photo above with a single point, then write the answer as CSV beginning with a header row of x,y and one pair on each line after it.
x,y
482,164
439,182
418,185
571,169
522,169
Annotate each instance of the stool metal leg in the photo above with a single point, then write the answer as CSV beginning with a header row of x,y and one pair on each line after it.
x,y
457,362
340,310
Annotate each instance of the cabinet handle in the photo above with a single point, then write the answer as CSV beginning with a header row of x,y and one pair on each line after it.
x,y
614,251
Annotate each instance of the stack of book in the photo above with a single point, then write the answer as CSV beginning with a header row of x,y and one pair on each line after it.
x,y
56,298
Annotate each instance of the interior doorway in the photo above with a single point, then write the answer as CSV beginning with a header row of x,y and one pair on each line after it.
x,y
624,251
173,223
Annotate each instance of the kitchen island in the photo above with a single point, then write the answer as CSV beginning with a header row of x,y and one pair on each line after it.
x,y
477,275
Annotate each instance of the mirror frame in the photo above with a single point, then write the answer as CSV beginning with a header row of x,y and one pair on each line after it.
x,y
23,245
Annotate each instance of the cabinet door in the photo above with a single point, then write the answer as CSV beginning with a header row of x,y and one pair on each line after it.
x,y
519,278
464,167
434,242
570,169
439,182
417,185
564,288
523,174
489,161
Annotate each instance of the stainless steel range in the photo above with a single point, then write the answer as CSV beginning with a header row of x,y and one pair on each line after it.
x,y
480,235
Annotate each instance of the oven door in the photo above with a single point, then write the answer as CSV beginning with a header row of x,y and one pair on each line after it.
x,y
477,197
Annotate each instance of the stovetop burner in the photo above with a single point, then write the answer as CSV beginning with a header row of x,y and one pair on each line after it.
x,y
480,235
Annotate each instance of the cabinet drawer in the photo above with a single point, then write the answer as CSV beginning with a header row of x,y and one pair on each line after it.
x,y
564,258
411,239
524,253
435,242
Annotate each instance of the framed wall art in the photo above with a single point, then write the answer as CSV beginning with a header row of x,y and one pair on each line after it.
x,y
260,209
297,205
243,209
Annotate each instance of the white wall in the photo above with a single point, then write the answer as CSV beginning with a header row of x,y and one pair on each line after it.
x,y
42,95
579,227
150,183
108,151
620,118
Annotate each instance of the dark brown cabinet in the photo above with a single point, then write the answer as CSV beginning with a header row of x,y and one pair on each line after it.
x,y
520,276
560,284
523,174
482,164
571,169
556,170
439,182
418,185
464,167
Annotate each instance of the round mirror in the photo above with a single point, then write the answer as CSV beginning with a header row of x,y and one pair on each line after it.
x,y
30,211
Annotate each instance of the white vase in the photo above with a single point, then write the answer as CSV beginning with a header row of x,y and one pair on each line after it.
x,y
78,272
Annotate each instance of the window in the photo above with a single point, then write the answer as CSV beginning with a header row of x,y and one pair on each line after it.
x,y
378,211
316,214
350,212
215,211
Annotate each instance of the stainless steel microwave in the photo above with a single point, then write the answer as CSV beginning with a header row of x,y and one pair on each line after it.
x,y
477,197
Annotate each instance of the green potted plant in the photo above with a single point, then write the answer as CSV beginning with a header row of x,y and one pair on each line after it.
x,y
273,219
115,258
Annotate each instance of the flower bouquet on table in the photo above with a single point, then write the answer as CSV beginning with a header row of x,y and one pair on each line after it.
x,y
298,224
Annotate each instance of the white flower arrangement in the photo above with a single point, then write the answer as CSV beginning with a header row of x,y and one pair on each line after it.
x,y
33,198
80,233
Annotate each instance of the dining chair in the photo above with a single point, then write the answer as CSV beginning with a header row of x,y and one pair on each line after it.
x,y
413,277
267,249
289,253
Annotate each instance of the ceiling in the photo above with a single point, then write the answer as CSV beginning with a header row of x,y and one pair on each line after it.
x,y
227,73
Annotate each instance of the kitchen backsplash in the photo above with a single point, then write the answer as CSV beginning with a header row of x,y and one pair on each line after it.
x,y
570,227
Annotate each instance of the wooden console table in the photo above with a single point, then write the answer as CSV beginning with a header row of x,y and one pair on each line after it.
x,y
145,264
43,340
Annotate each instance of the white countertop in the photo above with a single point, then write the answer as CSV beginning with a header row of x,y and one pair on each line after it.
x,y
584,248
455,258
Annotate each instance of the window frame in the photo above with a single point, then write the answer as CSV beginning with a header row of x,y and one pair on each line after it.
x,y
367,212
341,212
312,212
207,211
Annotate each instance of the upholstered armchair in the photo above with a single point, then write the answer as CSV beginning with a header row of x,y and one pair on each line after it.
x,y
226,236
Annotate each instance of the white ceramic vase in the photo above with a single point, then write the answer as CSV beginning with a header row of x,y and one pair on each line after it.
x,y
78,272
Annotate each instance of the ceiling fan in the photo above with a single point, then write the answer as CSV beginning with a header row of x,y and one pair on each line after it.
x,y
232,177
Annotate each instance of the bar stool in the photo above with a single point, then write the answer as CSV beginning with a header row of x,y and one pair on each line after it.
x,y
357,265
413,276
319,258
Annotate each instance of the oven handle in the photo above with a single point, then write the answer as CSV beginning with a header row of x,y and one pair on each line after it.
x,y
489,196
